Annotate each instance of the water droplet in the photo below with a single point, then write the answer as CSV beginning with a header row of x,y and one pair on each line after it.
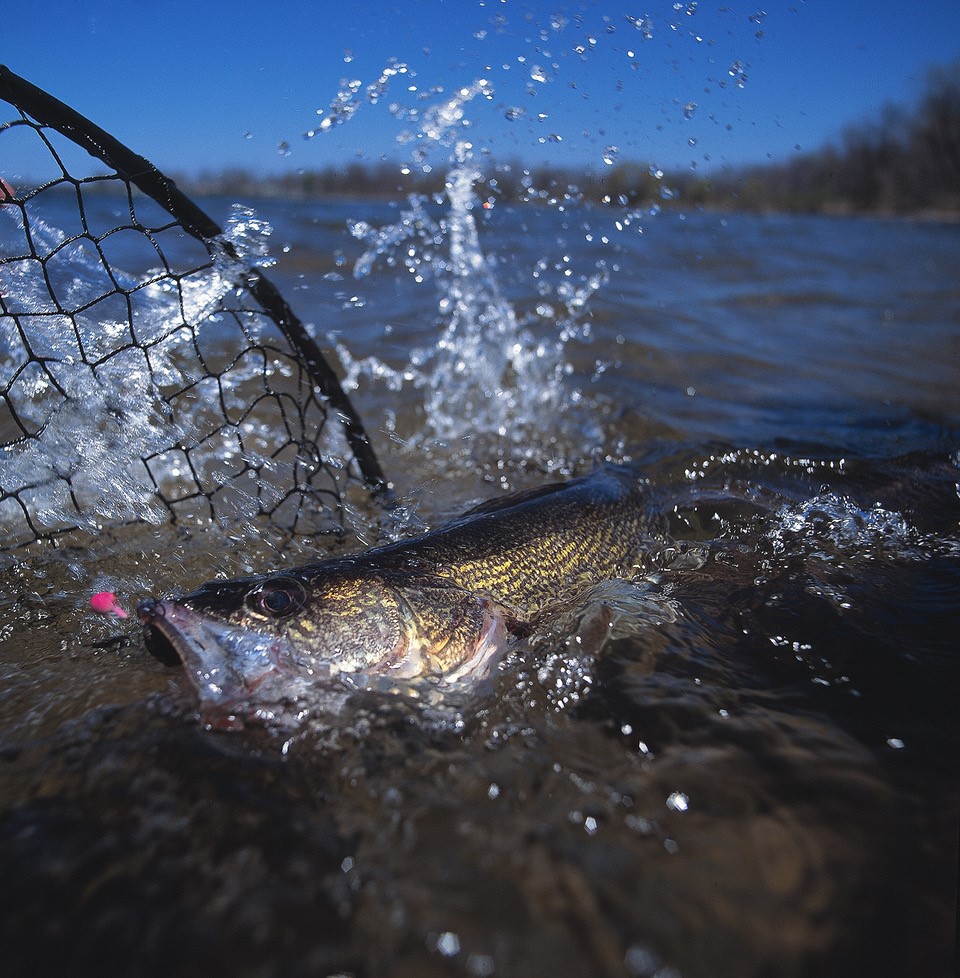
x,y
689,109
283,148
448,944
610,155
538,74
248,135
678,801
348,56
896,743
514,112
480,965
642,24
737,73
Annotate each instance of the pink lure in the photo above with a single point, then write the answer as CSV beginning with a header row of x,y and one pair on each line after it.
x,y
106,602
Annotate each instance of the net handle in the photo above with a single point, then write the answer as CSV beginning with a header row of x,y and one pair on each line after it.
x,y
50,111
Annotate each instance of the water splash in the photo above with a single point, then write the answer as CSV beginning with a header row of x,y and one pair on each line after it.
x,y
493,375
439,123
833,528
92,390
491,378
352,95
498,368
487,367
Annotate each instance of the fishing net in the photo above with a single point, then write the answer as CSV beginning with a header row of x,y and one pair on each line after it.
x,y
149,370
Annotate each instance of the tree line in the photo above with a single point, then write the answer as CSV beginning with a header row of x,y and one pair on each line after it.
x,y
906,160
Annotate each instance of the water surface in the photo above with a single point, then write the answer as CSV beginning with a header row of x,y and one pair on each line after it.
x,y
746,764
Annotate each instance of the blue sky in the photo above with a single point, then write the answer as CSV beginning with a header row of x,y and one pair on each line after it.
x,y
203,86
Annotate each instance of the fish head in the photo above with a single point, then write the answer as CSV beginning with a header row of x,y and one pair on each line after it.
x,y
231,652
261,639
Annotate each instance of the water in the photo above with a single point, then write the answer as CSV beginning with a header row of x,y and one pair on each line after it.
x,y
746,762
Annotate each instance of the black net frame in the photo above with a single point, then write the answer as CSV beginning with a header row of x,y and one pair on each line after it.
x,y
274,381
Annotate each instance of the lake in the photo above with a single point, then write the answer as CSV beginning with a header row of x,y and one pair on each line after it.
x,y
746,762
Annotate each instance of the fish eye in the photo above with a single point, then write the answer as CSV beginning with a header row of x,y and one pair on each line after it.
x,y
277,598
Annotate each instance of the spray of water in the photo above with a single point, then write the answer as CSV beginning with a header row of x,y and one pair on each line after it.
x,y
493,375
92,389
498,371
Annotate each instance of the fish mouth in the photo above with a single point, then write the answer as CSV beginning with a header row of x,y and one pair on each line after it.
x,y
225,663
163,641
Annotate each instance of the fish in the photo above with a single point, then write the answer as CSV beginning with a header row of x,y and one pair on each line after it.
x,y
445,605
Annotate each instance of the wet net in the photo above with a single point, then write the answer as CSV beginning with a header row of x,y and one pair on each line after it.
x,y
149,370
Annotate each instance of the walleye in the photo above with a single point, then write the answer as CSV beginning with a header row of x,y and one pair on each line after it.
x,y
443,605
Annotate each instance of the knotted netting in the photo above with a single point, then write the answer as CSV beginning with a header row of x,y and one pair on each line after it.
x,y
148,368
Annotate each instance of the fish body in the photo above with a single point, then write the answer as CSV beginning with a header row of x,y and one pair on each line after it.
x,y
444,604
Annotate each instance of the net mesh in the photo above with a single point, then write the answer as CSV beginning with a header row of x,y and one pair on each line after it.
x,y
148,368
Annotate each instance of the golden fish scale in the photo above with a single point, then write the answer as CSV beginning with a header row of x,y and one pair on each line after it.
x,y
546,554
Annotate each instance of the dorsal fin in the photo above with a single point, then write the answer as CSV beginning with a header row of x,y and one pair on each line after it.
x,y
514,499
